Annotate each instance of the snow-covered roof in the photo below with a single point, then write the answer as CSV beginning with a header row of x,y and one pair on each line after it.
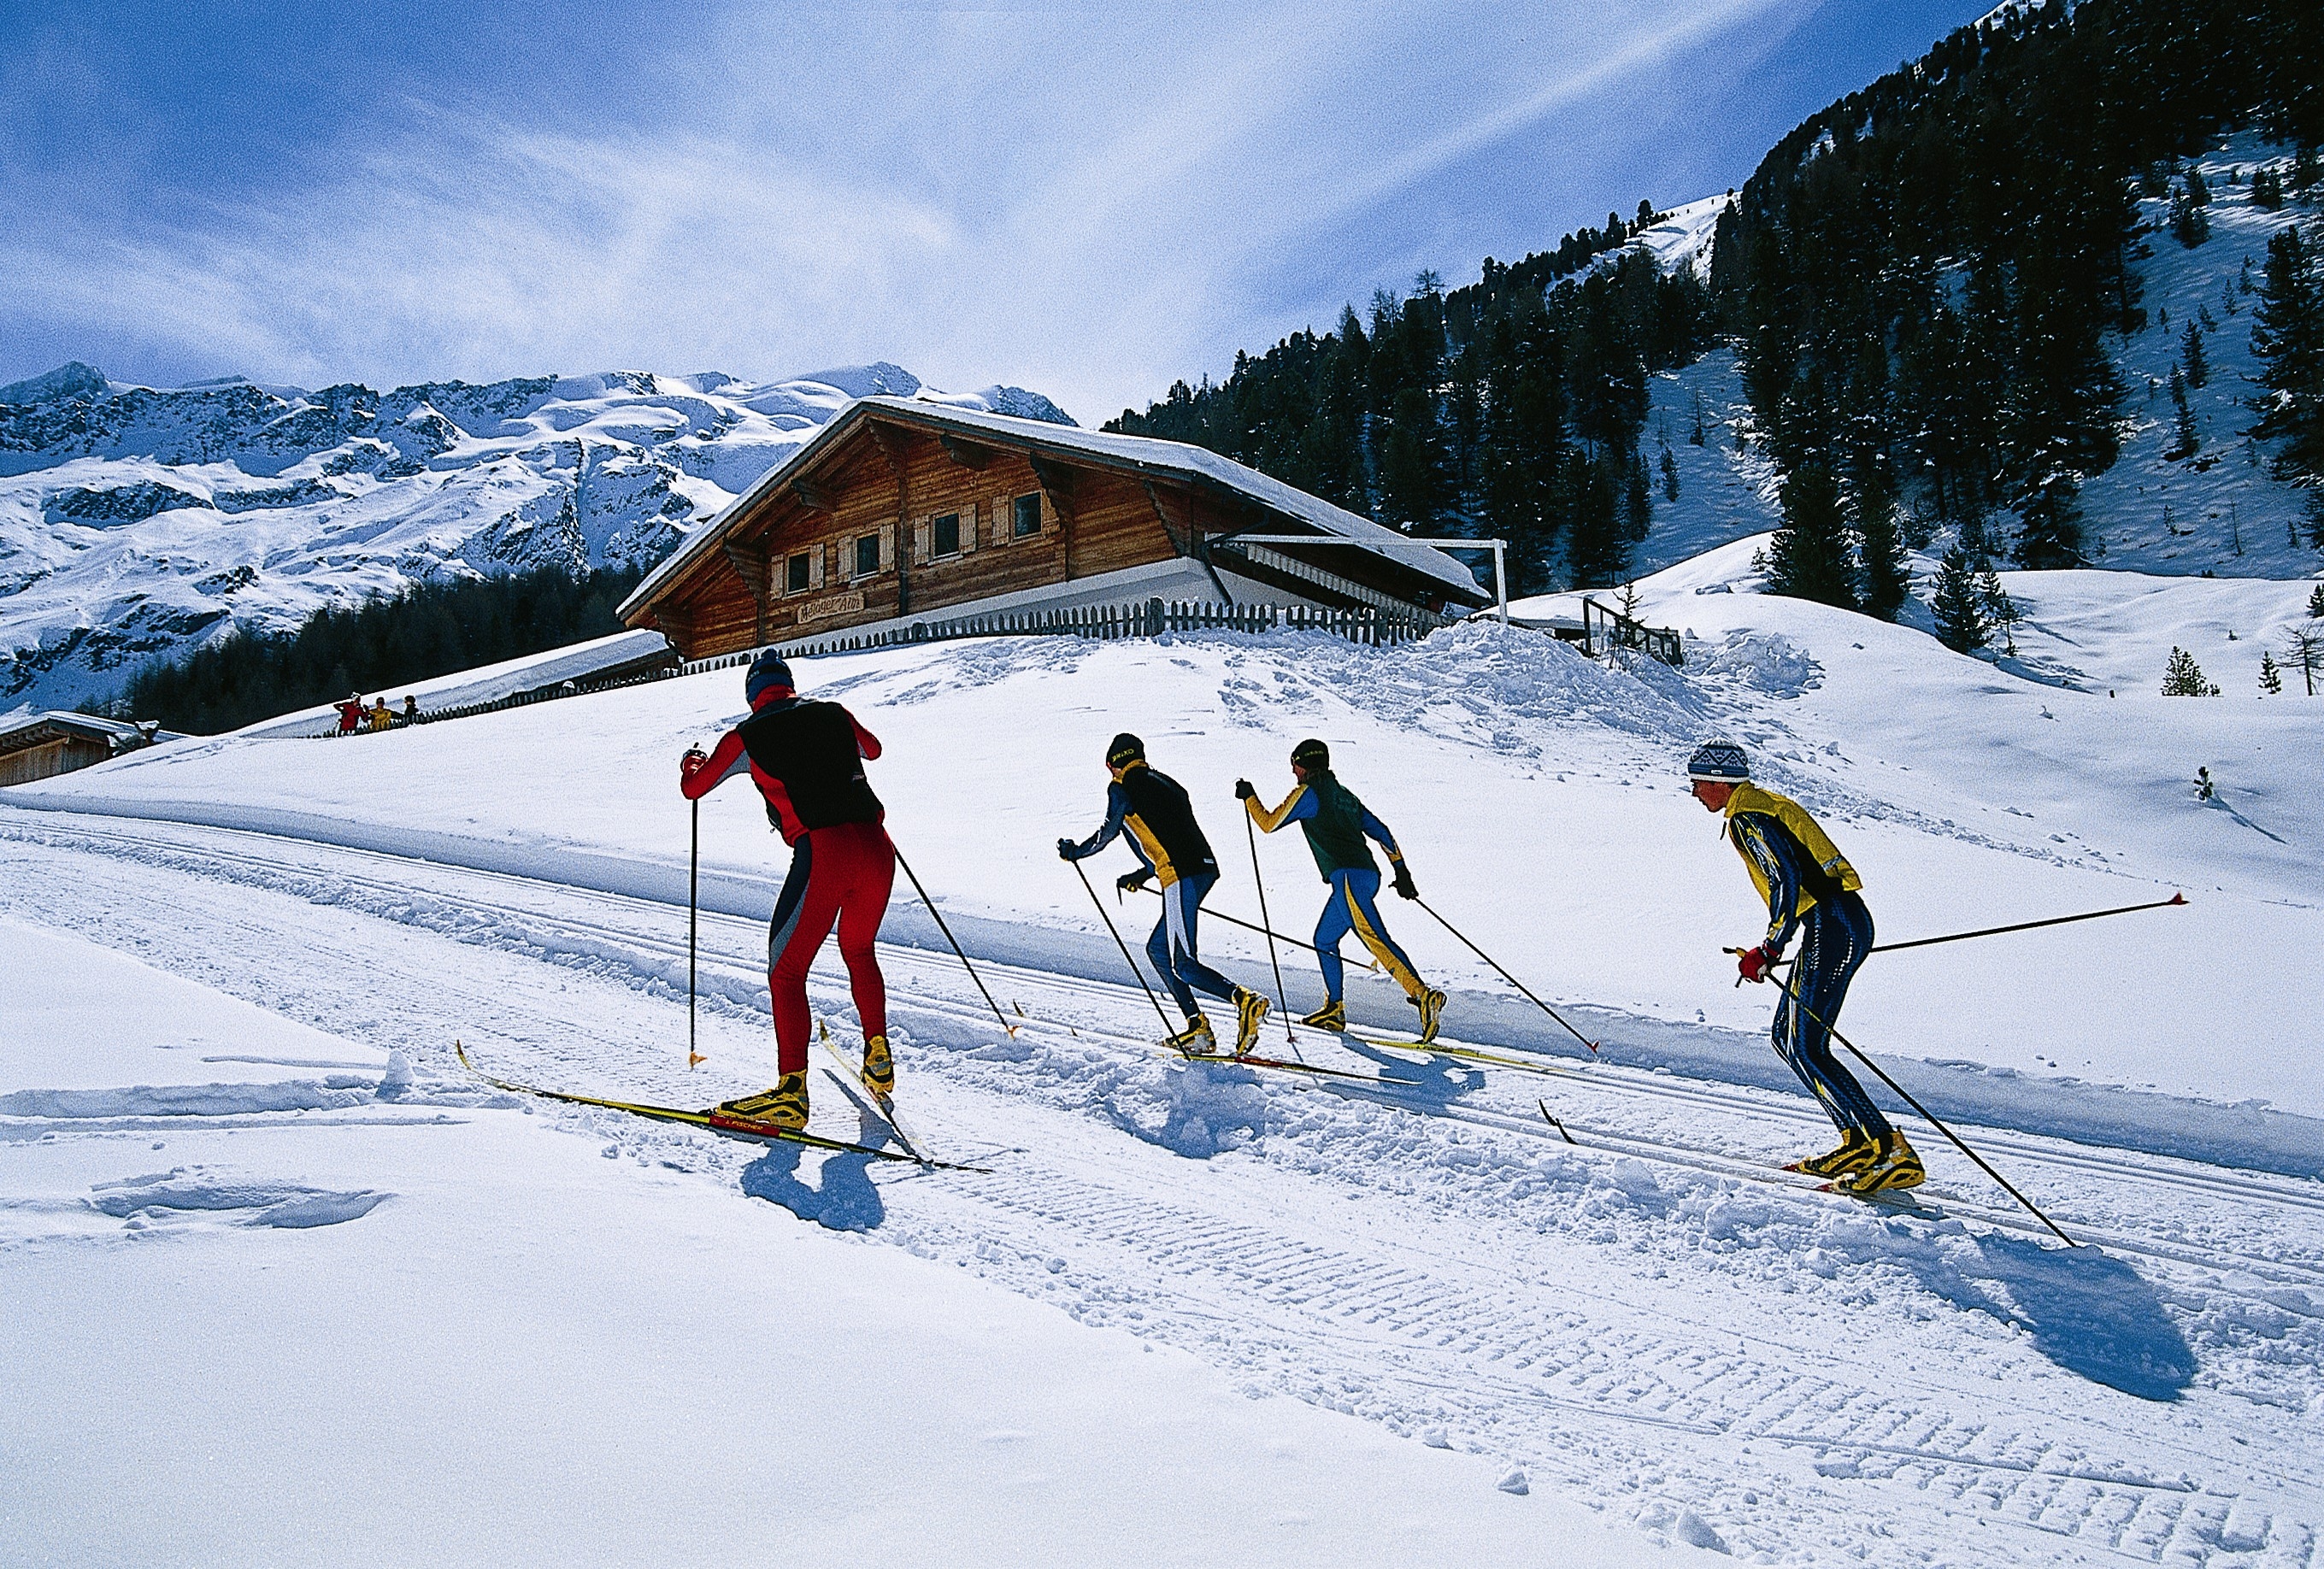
x,y
1169,459
87,726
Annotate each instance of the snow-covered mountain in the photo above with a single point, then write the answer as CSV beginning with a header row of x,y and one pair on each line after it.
x,y
137,522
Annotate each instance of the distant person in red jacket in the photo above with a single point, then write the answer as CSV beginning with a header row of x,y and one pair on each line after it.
x,y
808,758
351,714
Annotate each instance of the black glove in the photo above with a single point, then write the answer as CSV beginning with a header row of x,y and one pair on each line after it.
x,y
1244,789
1403,884
1065,848
1131,882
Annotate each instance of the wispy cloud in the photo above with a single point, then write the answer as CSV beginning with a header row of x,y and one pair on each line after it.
x,y
1077,202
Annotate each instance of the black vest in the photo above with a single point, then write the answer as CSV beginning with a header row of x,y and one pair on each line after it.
x,y
811,748
1160,802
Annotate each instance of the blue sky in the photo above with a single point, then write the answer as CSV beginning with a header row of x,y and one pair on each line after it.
x,y
1091,200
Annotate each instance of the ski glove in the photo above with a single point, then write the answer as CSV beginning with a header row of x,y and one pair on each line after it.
x,y
1752,964
691,764
1403,884
1245,789
1065,848
1131,882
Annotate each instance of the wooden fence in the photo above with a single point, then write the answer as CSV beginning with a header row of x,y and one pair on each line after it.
x,y
1150,618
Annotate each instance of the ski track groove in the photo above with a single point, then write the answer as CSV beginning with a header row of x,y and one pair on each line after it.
x,y
1487,1351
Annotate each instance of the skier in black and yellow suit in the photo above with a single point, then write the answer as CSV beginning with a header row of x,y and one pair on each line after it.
x,y
1152,810
1337,825
1810,888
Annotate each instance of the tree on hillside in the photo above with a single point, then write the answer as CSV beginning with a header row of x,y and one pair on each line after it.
x,y
2303,650
2050,524
1809,558
2316,601
2189,439
2190,226
2192,354
2271,680
1598,555
1960,608
1880,547
2288,337
2184,678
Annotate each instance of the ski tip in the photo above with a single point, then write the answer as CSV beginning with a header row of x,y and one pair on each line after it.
x,y
462,1053
694,1060
2178,898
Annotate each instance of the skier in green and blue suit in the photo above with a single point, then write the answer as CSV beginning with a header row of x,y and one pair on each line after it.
x,y
1337,825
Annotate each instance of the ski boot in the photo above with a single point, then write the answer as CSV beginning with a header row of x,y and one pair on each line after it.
x,y
1855,1153
1432,1007
1332,1016
785,1105
1251,1010
1195,1040
1894,1165
878,1068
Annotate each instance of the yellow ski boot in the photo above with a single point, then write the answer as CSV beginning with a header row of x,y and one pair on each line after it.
x,y
1332,1016
1894,1167
1855,1153
1195,1040
785,1105
878,1068
1250,1012
1432,1009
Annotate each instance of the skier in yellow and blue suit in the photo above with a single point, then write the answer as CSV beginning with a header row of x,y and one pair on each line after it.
x,y
1337,825
1150,811
1810,888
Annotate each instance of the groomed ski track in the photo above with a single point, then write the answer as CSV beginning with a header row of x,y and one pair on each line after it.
x,y
1652,1321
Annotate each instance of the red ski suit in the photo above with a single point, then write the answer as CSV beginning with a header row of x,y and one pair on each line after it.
x,y
808,761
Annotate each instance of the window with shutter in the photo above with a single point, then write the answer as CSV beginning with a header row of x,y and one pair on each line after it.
x,y
815,569
946,530
1026,515
795,576
887,547
968,528
922,547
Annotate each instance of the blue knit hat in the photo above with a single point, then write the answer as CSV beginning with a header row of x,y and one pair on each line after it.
x,y
1719,761
767,670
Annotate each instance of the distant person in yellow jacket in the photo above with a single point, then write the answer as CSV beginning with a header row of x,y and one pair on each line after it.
x,y
382,715
1810,888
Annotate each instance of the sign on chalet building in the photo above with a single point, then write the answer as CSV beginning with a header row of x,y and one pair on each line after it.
x,y
898,510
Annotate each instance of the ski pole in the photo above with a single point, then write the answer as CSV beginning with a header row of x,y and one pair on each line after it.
x,y
1268,921
989,1002
693,930
1930,1116
1276,936
1512,980
1118,943
2027,925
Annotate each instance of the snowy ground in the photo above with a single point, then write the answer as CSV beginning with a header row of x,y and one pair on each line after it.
x,y
1647,1322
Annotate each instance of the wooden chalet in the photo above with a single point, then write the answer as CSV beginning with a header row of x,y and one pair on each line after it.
x,y
898,509
37,746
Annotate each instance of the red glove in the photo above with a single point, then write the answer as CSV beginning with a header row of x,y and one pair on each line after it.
x,y
1752,963
691,764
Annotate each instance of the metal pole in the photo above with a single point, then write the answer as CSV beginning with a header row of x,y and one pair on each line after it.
x,y
1926,1113
1512,980
693,930
1009,1029
1501,579
2027,925
1250,831
1139,974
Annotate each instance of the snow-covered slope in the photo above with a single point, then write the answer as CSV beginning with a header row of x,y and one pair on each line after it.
x,y
1637,1321
135,522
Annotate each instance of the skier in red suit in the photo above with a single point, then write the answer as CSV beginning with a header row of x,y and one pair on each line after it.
x,y
808,758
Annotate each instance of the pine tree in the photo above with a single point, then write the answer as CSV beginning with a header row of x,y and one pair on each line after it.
x,y
2316,601
1637,500
1959,609
2192,354
2184,678
2190,226
1670,476
2271,680
2288,335
2000,611
2189,439
1809,559
1700,432
1597,555
2050,524
1880,547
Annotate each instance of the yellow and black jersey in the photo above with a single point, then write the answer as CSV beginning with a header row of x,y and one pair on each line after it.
x,y
1153,810
1792,860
